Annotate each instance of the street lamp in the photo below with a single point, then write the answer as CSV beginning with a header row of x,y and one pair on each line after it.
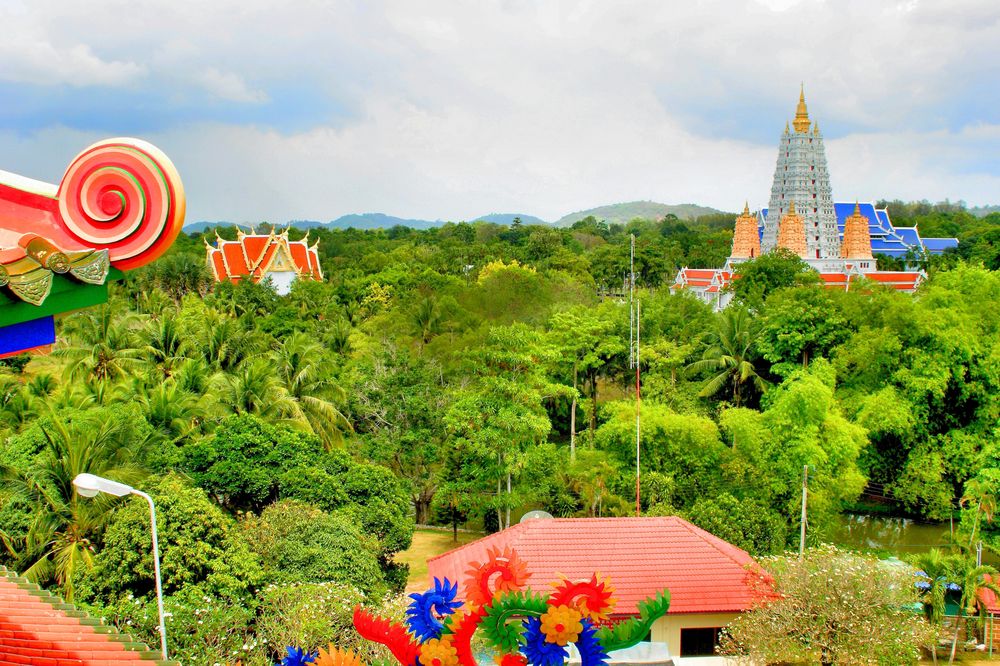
x,y
89,485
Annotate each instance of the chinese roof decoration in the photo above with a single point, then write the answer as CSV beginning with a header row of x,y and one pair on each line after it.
x,y
257,256
119,206
523,627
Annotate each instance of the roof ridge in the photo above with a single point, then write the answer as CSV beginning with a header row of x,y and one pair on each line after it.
x,y
712,540
472,543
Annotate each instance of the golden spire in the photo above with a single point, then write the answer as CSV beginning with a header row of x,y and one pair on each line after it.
x,y
857,243
801,122
786,127
792,233
746,240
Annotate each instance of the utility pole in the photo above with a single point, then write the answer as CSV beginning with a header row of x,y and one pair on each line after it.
x,y
805,491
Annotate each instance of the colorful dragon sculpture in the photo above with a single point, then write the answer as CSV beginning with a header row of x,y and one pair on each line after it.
x,y
524,627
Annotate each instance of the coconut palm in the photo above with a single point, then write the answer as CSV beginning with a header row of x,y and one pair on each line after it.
x,y
254,388
974,580
101,345
729,355
224,343
173,412
60,540
165,347
301,365
937,574
18,406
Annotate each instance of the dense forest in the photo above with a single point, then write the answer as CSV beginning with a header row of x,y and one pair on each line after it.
x,y
464,374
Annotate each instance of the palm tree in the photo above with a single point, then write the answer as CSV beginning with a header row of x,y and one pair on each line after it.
x,y
729,355
100,345
937,571
224,343
974,581
173,412
165,347
426,319
253,388
17,404
301,365
60,539
978,493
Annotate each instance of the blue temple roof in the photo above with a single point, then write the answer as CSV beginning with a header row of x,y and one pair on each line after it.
x,y
886,239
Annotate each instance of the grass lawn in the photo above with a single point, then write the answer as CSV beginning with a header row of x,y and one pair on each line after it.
x,y
428,543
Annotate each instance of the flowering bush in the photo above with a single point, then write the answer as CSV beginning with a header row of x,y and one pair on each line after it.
x,y
829,607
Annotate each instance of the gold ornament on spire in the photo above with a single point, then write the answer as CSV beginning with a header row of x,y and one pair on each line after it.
x,y
746,239
801,122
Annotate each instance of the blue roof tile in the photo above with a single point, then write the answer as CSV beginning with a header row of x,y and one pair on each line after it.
x,y
886,239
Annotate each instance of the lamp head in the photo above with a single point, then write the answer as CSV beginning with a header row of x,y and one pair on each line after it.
x,y
89,485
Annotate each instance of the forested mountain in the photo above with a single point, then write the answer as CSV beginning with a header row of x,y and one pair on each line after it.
x,y
460,375
623,213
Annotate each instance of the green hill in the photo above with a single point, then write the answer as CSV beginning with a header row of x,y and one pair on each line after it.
x,y
625,212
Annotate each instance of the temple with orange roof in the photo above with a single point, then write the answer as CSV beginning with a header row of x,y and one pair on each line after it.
x,y
270,256
803,219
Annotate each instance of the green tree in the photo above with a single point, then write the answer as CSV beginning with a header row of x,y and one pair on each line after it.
x,y
748,524
504,412
199,546
729,354
64,529
311,394
298,543
756,279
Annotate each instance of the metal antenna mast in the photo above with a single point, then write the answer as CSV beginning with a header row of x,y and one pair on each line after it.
x,y
633,356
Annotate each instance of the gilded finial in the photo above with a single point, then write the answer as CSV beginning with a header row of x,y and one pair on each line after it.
x,y
787,130
801,122
791,207
746,207
815,128
857,208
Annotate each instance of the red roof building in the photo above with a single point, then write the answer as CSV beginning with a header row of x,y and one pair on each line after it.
x,y
37,629
710,580
259,256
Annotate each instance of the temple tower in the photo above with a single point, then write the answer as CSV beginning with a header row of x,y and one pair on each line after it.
x,y
857,240
801,175
746,238
792,232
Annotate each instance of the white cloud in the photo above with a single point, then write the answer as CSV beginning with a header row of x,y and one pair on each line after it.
x,y
229,86
442,109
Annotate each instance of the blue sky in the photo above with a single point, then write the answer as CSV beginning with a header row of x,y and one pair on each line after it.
x,y
445,110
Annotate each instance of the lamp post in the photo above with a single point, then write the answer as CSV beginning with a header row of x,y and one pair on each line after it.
x,y
89,485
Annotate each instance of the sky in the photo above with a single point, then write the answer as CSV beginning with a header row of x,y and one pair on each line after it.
x,y
309,109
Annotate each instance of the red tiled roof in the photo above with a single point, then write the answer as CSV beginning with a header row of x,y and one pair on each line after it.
x,y
235,262
898,280
251,254
640,555
36,629
254,246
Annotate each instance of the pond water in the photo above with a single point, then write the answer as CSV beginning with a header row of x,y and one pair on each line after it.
x,y
899,536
